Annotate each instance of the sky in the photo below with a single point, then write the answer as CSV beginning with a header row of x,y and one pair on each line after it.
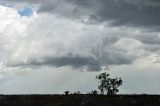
x,y
50,46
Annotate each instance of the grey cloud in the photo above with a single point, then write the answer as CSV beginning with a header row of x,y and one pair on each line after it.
x,y
152,47
150,39
141,13
131,15
66,42
68,60
154,3
86,63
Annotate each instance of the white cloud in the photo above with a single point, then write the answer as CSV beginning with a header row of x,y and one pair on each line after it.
x,y
32,41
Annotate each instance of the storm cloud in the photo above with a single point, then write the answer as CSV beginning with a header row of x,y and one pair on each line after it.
x,y
137,13
77,62
87,34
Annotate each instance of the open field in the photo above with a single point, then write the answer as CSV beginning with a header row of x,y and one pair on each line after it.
x,y
79,100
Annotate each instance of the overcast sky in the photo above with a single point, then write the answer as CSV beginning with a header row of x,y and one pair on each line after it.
x,y
49,46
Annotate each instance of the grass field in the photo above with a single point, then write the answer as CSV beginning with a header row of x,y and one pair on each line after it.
x,y
132,100
39,100
77,100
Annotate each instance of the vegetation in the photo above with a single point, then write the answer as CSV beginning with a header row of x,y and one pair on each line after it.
x,y
76,100
94,92
78,92
40,100
107,84
66,92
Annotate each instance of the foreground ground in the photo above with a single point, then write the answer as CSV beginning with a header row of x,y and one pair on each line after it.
x,y
79,100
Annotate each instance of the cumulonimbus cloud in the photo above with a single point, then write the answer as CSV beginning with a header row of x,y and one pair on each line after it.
x,y
51,40
60,43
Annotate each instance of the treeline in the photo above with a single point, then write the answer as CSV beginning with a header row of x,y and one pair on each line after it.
x,y
107,85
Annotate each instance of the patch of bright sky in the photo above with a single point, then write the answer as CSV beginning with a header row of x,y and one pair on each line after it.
x,y
26,11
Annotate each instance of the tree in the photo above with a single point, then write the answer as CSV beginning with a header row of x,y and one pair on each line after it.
x,y
66,92
94,92
107,84
78,92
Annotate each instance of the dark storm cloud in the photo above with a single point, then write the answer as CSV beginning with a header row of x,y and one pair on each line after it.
x,y
73,61
141,13
88,63
150,39
124,13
